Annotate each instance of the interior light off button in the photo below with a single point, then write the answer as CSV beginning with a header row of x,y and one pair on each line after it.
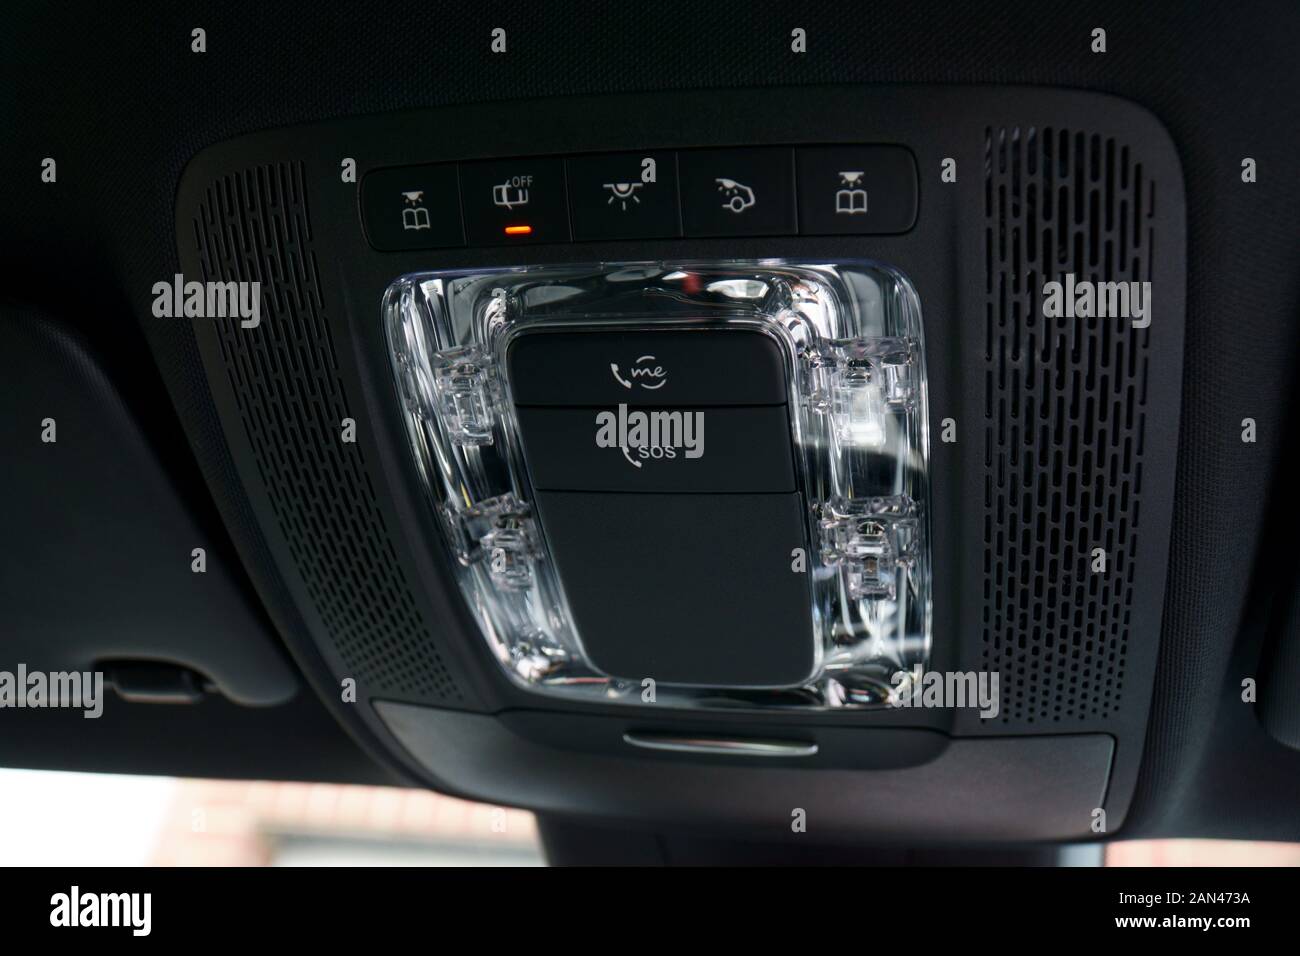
x,y
514,202
856,189
672,367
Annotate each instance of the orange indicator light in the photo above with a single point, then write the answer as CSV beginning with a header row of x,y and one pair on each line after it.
x,y
518,230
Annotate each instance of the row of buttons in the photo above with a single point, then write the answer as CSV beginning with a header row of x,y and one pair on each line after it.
x,y
762,191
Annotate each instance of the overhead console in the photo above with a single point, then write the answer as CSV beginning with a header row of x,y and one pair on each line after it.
x,y
732,434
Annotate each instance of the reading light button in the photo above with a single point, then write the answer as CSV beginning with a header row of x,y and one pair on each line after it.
x,y
514,202
412,207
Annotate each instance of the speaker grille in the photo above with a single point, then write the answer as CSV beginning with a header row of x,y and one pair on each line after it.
x,y
255,226
1065,416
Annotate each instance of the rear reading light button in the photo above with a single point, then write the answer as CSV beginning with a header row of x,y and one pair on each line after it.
x,y
856,189
412,207
626,448
514,202
676,367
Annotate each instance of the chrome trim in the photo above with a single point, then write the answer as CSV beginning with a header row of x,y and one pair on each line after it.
x,y
722,745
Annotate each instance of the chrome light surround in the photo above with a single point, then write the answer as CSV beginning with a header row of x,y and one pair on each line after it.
x,y
852,337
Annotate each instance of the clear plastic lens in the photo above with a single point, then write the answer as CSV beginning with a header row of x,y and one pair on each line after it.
x,y
851,334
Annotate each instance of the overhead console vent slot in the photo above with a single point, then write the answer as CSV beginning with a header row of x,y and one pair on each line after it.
x,y
255,226
1065,416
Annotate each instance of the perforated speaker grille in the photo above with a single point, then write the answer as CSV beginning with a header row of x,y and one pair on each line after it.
x,y
255,226
1065,419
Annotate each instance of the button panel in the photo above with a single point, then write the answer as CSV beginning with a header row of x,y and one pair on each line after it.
x,y
654,194
680,438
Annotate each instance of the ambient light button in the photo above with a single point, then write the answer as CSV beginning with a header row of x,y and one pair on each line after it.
x,y
624,196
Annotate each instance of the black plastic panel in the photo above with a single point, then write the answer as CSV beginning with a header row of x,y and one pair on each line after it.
x,y
993,790
944,255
